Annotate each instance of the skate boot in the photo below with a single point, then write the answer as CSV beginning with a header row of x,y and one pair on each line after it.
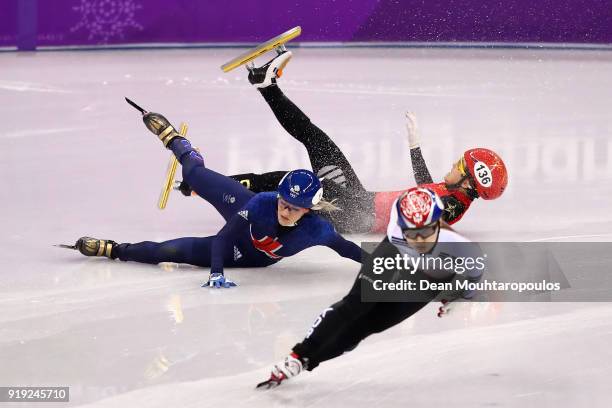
x,y
156,123
266,74
160,126
94,247
286,369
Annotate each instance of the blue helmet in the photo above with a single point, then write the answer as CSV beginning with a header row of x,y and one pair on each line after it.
x,y
417,208
301,188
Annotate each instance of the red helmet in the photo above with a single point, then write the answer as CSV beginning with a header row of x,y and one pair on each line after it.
x,y
487,171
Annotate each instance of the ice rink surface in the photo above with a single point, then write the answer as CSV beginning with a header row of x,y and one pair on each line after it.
x,y
76,160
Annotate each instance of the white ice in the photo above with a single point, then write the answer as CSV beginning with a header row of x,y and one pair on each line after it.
x,y
76,160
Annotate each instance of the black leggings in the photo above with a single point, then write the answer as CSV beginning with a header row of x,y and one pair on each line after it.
x,y
340,183
326,159
343,325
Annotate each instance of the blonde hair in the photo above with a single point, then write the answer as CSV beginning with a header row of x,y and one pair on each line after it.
x,y
327,206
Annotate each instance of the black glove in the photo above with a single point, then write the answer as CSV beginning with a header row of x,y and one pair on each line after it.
x,y
184,188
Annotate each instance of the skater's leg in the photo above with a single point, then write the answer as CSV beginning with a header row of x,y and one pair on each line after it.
x,y
326,158
194,251
258,183
225,194
325,339
333,335
340,334
378,318
342,326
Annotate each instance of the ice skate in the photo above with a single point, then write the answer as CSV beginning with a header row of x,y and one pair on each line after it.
x,y
271,44
160,126
157,124
89,246
286,369
267,74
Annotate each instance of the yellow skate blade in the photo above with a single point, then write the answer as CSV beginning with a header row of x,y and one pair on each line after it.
x,y
262,48
170,173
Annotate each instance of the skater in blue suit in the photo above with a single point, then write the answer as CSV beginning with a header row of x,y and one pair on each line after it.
x,y
260,229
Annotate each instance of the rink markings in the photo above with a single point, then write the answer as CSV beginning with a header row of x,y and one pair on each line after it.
x,y
37,132
30,87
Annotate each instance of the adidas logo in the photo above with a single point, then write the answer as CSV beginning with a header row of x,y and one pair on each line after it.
x,y
244,214
333,173
237,254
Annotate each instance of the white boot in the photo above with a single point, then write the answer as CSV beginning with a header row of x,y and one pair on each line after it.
x,y
266,74
286,369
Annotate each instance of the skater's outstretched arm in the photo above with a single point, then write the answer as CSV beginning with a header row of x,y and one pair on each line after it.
x,y
235,224
233,227
419,168
345,248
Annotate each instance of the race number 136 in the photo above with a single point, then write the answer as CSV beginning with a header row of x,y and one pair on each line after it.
x,y
482,174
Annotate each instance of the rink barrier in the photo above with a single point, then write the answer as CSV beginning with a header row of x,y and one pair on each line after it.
x,y
28,24
319,45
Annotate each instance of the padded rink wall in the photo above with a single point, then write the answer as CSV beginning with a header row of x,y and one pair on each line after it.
x,y
31,24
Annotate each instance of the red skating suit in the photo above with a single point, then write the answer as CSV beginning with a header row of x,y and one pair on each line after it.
x,y
455,202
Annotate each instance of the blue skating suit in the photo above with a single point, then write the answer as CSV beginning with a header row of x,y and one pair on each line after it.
x,y
261,240
251,237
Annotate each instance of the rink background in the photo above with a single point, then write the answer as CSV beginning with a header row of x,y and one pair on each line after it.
x,y
29,24
77,160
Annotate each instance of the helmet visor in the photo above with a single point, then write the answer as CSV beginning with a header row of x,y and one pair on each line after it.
x,y
462,167
425,232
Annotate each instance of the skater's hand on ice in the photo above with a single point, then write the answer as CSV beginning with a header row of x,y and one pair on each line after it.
x,y
183,187
411,128
445,308
218,280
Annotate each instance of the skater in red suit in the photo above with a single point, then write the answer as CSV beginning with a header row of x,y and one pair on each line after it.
x,y
478,173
